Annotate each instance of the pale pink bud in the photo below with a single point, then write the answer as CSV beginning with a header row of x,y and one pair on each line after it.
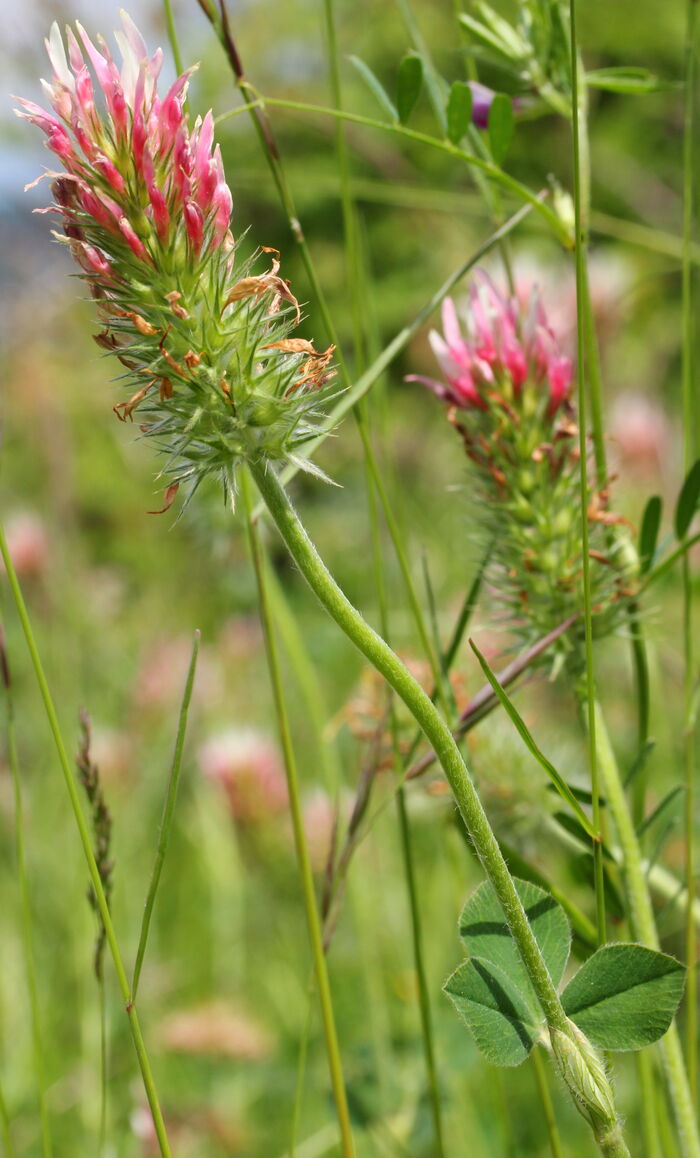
x,y
110,171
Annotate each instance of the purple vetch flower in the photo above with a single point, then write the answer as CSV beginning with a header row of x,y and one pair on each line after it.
x,y
482,99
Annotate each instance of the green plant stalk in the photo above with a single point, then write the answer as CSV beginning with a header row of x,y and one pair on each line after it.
x,y
172,36
405,838
167,818
438,733
104,1058
303,859
26,905
493,171
644,929
84,834
540,1071
690,450
5,1134
581,200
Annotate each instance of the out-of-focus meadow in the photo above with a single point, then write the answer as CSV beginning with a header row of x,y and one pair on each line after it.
x,y
116,593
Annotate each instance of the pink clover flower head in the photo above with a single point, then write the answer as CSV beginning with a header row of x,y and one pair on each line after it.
x,y
143,178
204,336
505,348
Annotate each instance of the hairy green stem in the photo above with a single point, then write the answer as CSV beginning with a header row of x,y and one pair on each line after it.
x,y
26,904
644,929
302,851
381,656
86,842
420,705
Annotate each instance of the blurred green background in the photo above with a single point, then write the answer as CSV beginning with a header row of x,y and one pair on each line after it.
x,y
115,595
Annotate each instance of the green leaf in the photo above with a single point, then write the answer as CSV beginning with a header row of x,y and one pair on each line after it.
x,y
640,761
525,734
501,126
687,503
459,111
513,43
649,533
628,80
485,933
500,1020
664,810
624,996
408,85
376,87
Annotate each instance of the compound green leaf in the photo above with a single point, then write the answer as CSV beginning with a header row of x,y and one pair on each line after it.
x,y
498,1016
485,933
625,996
649,533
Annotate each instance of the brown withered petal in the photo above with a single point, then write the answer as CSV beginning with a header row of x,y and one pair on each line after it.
x,y
166,389
192,359
293,346
141,324
124,410
168,499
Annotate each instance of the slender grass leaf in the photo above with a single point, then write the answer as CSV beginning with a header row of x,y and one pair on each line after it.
x,y
527,738
483,929
571,825
649,534
500,1020
581,868
408,86
459,111
664,810
626,80
640,761
687,503
375,86
625,996
501,126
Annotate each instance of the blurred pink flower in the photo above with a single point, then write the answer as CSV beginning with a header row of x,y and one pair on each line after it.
x,y
247,765
28,544
216,1029
640,432
138,181
508,344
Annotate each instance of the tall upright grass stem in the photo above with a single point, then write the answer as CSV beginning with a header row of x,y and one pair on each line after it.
x,y
85,840
690,426
540,1071
25,902
581,188
303,858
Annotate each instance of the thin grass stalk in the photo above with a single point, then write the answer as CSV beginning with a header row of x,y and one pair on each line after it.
x,y
644,930
581,187
540,1071
25,903
690,450
166,823
104,1063
172,36
303,859
85,840
5,1132
301,1073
